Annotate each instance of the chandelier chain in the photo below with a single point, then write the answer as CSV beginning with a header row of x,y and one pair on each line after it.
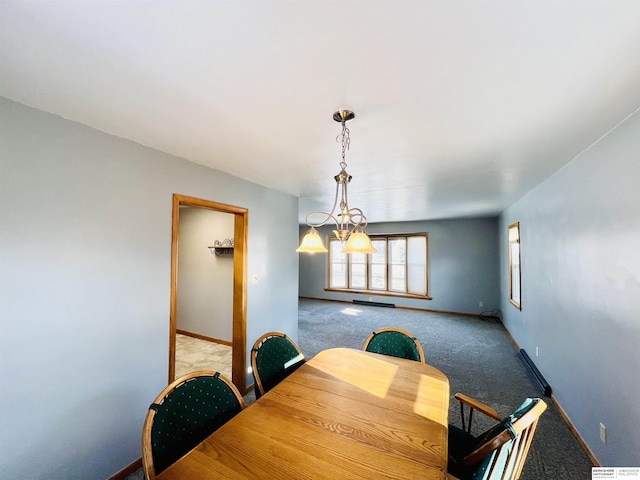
x,y
345,140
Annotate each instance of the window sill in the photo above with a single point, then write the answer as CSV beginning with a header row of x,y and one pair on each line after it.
x,y
379,293
515,304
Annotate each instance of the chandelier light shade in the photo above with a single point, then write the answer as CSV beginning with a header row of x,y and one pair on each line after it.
x,y
312,243
349,222
359,242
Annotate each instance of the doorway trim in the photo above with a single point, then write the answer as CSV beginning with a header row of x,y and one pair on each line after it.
x,y
239,340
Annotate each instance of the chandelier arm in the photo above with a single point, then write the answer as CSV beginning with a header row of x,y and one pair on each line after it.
x,y
329,216
335,202
360,216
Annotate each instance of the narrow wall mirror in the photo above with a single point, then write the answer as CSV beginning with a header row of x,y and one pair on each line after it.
x,y
515,276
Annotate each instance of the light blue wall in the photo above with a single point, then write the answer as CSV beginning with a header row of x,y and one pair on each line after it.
x,y
463,265
84,282
580,232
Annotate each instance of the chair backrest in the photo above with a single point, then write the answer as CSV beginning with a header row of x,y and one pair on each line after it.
x,y
394,342
183,415
274,356
500,452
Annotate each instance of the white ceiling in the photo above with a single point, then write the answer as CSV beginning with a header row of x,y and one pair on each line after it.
x,y
461,106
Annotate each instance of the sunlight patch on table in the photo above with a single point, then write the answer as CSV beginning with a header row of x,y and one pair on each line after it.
x,y
424,404
370,374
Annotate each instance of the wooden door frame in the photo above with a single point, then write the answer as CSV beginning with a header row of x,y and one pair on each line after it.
x,y
239,341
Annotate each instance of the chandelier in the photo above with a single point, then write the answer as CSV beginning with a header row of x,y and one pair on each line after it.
x,y
350,222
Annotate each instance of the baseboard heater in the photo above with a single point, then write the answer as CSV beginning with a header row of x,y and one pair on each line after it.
x,y
534,373
374,304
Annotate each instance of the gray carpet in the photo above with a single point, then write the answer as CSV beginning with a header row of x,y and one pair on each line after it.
x,y
478,358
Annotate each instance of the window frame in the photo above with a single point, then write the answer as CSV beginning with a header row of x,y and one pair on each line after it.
x,y
369,289
515,269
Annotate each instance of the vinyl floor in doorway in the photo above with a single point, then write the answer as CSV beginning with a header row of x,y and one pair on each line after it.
x,y
194,354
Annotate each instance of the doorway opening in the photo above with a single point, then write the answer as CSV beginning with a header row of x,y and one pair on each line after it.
x,y
239,371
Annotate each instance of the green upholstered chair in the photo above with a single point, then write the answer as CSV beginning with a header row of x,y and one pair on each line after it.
x,y
501,451
394,342
183,415
274,356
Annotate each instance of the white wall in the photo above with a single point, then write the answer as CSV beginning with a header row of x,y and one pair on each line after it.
x,y
205,281
580,241
84,282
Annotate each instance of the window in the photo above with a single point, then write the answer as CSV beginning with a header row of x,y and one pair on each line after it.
x,y
337,265
398,268
515,286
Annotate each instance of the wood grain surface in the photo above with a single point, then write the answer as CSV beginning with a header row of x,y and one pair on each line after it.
x,y
344,414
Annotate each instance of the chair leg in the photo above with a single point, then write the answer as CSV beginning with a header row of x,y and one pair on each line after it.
x,y
466,429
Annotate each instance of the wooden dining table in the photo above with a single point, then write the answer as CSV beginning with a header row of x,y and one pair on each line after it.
x,y
344,414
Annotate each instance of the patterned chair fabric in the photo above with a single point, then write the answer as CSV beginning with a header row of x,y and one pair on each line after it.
x,y
184,414
274,356
501,451
394,342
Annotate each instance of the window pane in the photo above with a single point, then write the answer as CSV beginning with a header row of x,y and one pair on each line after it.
x,y
358,276
397,264
338,265
397,250
397,274
358,271
378,280
378,267
417,265
338,276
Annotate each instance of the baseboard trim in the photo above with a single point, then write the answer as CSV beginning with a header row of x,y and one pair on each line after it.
x,y
128,470
448,312
465,314
204,337
248,389
564,415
